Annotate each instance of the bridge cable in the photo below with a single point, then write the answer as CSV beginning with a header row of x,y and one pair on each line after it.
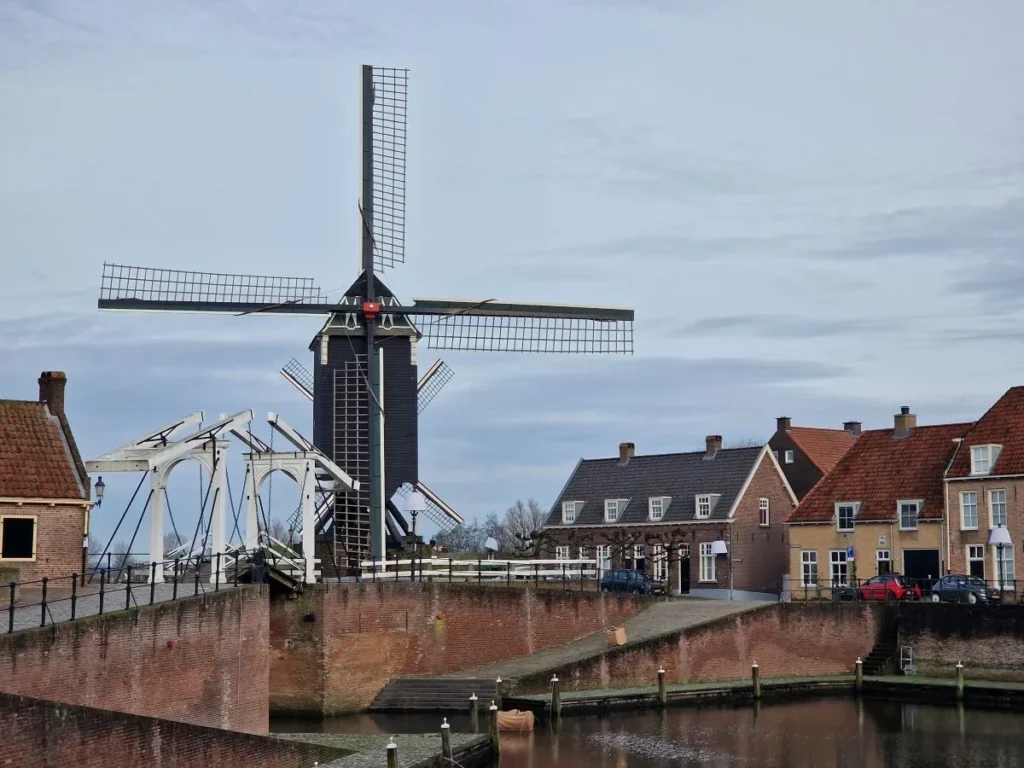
x,y
118,526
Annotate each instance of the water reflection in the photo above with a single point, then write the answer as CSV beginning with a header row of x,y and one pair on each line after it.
x,y
844,733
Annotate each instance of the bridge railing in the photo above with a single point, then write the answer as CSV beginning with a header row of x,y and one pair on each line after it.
x,y
481,570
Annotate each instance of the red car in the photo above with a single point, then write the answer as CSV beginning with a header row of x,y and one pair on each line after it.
x,y
889,587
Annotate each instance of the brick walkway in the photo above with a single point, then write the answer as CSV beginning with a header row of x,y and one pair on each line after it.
x,y
660,619
28,613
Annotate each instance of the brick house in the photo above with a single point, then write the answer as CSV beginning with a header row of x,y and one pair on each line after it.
x,y
44,488
663,513
808,453
884,500
985,490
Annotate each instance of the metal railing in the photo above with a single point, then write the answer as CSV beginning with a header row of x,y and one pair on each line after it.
x,y
1004,592
481,570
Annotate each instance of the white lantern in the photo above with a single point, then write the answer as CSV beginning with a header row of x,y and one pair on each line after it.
x,y
719,548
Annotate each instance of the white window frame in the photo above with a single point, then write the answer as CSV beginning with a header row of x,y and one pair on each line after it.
x,y
965,524
660,561
609,505
855,505
809,563
992,522
702,499
35,538
836,558
603,552
917,504
569,510
983,458
706,573
562,552
788,457
764,512
661,503
882,556
1007,574
584,553
976,554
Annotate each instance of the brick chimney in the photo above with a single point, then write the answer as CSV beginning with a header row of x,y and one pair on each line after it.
x,y
782,424
51,390
903,422
853,427
626,452
713,444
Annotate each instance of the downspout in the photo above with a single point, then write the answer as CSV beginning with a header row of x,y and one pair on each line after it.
x,y
959,441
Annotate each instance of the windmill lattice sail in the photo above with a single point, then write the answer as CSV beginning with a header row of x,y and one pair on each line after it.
x,y
390,110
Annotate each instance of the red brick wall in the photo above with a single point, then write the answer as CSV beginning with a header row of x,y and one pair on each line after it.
x,y
760,555
216,673
59,533
363,635
785,639
960,539
95,738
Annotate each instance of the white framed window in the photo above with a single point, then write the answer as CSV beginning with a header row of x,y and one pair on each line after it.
x,y
584,553
846,511
983,457
763,506
18,538
883,560
809,567
909,512
684,550
604,558
776,454
839,568
789,457
1004,567
660,561
997,507
704,505
656,507
969,510
707,562
976,560
569,509
611,510
562,552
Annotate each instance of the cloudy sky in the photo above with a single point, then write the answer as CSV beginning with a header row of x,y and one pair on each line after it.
x,y
817,211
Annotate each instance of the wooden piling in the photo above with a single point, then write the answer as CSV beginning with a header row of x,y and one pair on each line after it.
x,y
493,728
662,693
755,676
474,713
446,742
392,754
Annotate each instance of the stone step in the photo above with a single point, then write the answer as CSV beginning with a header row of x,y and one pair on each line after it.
x,y
432,694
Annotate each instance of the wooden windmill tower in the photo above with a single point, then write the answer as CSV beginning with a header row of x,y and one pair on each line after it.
x,y
365,354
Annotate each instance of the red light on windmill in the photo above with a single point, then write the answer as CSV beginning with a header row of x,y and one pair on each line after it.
x,y
371,309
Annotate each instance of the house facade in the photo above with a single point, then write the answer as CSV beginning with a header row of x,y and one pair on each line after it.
x,y
708,522
880,509
985,491
44,488
807,454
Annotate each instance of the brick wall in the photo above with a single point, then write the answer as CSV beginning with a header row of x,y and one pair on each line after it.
x,y
59,533
201,660
759,552
960,539
36,732
785,639
334,648
989,641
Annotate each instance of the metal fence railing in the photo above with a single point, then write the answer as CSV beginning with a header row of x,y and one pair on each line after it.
x,y
481,570
954,589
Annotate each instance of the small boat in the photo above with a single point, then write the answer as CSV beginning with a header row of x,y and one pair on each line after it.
x,y
515,720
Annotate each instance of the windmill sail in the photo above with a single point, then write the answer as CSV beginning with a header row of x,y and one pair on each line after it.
x,y
431,383
390,108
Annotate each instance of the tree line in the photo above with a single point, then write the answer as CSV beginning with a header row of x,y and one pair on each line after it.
x,y
514,531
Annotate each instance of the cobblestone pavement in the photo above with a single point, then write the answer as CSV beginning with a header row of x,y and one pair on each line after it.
x,y
661,618
371,748
29,613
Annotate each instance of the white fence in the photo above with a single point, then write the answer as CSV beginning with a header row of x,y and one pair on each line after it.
x,y
451,569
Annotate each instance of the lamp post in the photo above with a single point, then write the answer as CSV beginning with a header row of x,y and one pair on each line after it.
x,y
1000,538
414,504
100,488
719,547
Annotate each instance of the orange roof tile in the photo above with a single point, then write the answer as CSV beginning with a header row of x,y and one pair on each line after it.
x,y
1002,424
880,469
35,460
824,447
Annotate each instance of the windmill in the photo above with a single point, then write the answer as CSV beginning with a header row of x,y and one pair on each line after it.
x,y
365,400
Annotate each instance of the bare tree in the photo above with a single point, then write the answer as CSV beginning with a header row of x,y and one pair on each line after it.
x,y
171,542
745,442
278,530
467,537
520,527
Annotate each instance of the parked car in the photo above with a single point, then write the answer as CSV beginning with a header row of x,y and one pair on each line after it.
x,y
955,588
629,580
889,587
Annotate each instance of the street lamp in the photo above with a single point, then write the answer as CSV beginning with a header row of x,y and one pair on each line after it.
x,y
1000,537
719,547
100,488
414,504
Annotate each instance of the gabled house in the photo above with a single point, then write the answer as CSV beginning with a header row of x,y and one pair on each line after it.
x,y
808,453
985,492
879,510
708,522
44,488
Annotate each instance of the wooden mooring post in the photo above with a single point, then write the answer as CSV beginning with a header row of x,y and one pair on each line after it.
x,y
662,693
446,743
556,698
755,677
474,713
493,729
392,753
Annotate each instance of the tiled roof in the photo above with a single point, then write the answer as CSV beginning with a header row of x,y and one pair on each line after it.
x,y
679,476
824,447
880,469
35,459
1002,424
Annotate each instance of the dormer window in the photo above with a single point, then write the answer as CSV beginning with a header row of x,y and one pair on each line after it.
x,y
656,507
983,457
704,505
846,511
612,509
569,509
910,511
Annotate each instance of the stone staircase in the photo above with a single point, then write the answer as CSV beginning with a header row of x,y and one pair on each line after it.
x,y
431,694
882,655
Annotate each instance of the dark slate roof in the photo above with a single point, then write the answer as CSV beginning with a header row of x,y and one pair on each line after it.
x,y
680,476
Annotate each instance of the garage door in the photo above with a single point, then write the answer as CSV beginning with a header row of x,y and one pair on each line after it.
x,y
921,564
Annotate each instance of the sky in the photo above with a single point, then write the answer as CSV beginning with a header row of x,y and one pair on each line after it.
x,y
816,209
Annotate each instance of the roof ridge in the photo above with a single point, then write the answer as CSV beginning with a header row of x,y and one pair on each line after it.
x,y
699,452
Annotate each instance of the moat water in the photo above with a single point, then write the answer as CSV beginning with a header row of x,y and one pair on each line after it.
x,y
824,733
